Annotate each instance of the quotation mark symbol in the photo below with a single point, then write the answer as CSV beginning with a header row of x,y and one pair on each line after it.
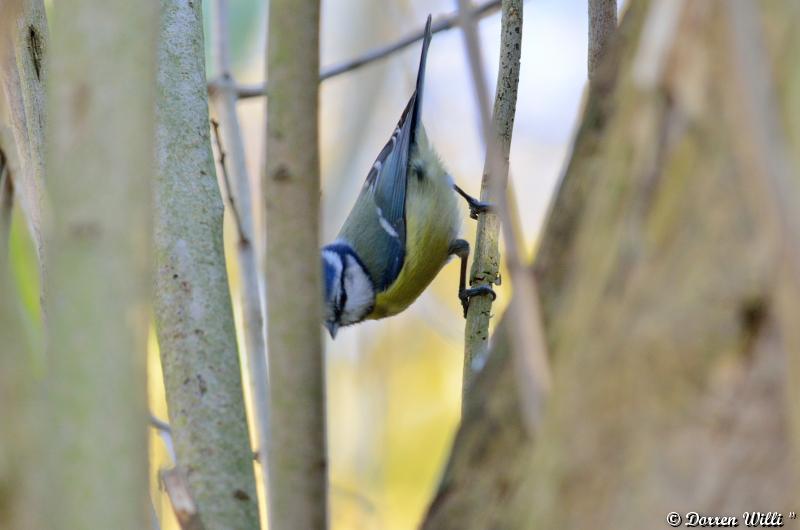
x,y
792,515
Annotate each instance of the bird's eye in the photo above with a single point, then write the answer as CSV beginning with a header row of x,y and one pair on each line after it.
x,y
418,168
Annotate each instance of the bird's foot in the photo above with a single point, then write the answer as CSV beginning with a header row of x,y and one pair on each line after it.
x,y
467,294
477,207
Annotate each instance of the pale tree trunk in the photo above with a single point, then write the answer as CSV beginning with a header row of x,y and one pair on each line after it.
x,y
297,463
23,74
194,318
669,284
20,463
99,166
17,457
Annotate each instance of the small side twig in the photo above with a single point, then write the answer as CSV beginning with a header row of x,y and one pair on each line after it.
x,y
183,503
165,432
243,238
444,23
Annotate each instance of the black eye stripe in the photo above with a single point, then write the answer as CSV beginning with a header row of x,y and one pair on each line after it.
x,y
342,291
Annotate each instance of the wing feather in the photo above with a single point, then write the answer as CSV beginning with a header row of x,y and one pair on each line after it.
x,y
386,185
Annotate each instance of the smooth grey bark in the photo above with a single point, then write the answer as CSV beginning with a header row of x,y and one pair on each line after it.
x,y
194,318
99,167
297,463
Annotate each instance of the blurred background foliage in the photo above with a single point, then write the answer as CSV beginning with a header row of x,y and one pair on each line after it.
x,y
394,386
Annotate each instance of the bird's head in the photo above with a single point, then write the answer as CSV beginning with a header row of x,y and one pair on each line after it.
x,y
349,291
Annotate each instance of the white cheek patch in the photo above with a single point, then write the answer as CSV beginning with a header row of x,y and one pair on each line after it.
x,y
360,293
388,228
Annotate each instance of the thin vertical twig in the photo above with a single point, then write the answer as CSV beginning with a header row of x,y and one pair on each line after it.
x,y
602,24
297,447
238,189
225,186
527,333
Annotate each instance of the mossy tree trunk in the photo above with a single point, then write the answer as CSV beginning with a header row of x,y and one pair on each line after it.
x,y
194,317
670,296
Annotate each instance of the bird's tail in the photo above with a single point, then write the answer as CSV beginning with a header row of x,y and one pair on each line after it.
x,y
426,42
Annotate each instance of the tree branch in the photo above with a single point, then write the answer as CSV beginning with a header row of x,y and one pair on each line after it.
x,y
526,328
297,449
442,24
602,23
239,192
23,74
194,317
244,239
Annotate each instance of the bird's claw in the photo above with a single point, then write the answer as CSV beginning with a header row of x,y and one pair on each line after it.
x,y
466,295
478,207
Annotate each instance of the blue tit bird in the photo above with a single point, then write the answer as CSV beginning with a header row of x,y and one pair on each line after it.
x,y
402,229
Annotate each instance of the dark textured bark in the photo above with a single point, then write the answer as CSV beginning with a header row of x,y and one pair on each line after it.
x,y
670,300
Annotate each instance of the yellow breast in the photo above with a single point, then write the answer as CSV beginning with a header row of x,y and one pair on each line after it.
x,y
432,223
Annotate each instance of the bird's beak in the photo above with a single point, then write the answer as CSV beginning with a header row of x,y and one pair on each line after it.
x,y
333,327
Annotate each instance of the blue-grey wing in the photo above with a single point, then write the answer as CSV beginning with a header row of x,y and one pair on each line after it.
x,y
386,184
384,240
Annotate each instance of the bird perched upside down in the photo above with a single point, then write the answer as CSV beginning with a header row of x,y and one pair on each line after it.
x,y
402,229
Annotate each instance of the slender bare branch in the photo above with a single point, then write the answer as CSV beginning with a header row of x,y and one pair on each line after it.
x,y
165,432
297,447
443,23
602,24
244,239
526,327
239,191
